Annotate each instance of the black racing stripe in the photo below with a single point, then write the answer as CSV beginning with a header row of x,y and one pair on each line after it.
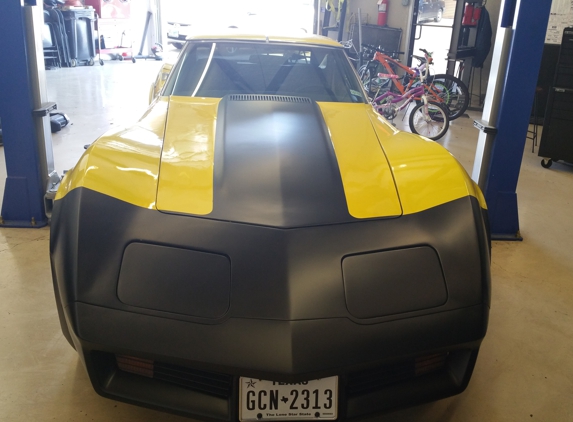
x,y
275,164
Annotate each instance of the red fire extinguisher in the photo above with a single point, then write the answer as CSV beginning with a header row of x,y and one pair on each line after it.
x,y
476,15
382,12
471,15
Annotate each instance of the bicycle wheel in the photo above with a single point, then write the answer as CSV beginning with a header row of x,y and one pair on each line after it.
x,y
365,72
452,92
432,122
372,82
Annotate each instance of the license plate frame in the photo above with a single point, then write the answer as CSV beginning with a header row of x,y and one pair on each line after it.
x,y
263,400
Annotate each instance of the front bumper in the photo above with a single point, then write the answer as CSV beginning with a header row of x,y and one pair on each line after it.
x,y
287,319
176,38
409,361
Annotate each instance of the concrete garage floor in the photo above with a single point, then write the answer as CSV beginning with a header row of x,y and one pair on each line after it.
x,y
525,368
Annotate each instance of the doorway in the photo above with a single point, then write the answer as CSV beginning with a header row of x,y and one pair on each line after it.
x,y
431,29
186,16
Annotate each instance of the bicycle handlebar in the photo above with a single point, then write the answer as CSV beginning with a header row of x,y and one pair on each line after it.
x,y
426,52
381,50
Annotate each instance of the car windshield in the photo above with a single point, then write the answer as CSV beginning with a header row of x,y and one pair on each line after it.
x,y
216,69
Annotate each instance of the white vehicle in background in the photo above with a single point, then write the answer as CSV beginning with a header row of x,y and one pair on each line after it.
x,y
177,33
182,18
178,17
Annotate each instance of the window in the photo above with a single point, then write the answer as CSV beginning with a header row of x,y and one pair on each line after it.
x,y
222,68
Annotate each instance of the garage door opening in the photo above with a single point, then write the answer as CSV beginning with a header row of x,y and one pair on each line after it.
x,y
185,16
432,30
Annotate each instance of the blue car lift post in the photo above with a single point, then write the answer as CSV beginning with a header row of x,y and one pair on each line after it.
x,y
24,116
511,88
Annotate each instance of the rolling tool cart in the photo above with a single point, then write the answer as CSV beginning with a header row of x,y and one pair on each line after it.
x,y
556,143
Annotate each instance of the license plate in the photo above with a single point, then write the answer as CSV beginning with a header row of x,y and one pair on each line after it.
x,y
270,400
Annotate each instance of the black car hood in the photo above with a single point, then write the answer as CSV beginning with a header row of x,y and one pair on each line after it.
x,y
273,163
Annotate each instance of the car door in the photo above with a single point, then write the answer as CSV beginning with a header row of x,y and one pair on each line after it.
x,y
424,9
433,9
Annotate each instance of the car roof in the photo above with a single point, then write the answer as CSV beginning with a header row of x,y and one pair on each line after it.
x,y
232,34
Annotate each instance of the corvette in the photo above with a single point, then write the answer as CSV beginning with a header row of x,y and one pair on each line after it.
x,y
262,245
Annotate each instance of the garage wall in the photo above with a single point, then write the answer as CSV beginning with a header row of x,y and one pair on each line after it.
x,y
398,16
450,9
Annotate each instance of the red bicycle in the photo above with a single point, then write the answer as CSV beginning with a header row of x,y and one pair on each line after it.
x,y
381,74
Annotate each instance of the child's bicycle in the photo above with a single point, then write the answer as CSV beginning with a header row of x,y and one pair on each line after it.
x,y
428,118
443,88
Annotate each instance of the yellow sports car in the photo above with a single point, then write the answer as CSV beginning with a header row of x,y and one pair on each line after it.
x,y
262,245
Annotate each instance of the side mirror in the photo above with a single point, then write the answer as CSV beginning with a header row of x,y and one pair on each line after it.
x,y
157,86
152,93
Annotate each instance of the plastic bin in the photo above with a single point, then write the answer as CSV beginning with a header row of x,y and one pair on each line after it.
x,y
80,31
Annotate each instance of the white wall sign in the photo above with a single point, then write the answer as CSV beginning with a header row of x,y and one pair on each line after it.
x,y
561,17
